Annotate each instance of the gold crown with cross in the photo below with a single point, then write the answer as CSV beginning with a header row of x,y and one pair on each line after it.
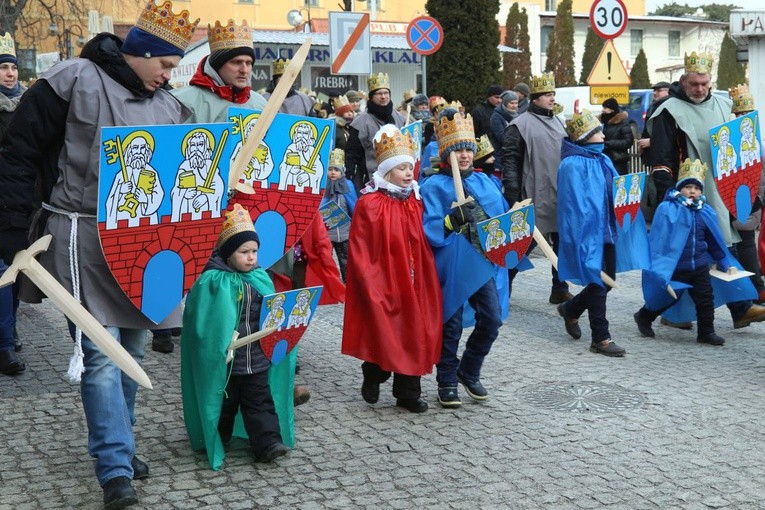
x,y
542,84
699,63
229,36
160,21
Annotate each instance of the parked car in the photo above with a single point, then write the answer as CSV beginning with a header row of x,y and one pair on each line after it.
x,y
574,100
640,102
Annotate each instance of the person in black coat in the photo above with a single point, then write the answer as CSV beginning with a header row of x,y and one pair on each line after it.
x,y
482,112
619,137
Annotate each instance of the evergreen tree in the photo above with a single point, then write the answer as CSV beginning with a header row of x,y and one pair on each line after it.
x,y
510,61
524,69
639,73
592,46
560,49
468,61
729,72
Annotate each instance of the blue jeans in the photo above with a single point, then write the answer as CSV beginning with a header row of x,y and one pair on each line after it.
x,y
108,399
488,319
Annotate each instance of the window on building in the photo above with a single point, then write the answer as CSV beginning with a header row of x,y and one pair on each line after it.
x,y
545,38
551,5
636,42
311,3
674,43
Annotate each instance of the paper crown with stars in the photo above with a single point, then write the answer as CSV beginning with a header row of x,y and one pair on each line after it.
x,y
161,22
691,172
543,83
583,125
699,63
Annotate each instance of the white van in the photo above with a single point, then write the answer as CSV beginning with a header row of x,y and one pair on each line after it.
x,y
574,100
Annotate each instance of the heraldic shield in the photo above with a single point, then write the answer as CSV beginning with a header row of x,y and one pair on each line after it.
x,y
627,194
290,312
288,172
161,192
506,238
737,163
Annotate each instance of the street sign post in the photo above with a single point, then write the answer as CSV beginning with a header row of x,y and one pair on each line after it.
x,y
608,18
350,46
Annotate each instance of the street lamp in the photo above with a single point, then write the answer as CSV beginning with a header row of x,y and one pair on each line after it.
x,y
295,18
65,38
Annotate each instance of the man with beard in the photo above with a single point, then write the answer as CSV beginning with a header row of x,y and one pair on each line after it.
x,y
360,162
54,156
196,168
296,168
141,195
679,129
261,163
296,103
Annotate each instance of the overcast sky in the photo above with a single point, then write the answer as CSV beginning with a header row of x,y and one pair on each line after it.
x,y
652,5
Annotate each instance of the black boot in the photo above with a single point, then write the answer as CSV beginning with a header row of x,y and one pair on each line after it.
x,y
162,342
118,493
643,324
10,364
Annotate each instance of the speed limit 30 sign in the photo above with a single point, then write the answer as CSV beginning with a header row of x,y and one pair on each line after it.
x,y
608,18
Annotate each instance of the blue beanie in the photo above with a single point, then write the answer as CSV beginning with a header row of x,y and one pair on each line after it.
x,y
140,43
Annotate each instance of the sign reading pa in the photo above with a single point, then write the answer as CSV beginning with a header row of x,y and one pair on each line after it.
x,y
506,238
288,172
627,193
160,195
737,163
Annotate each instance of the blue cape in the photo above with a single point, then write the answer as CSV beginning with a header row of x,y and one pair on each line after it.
x,y
586,219
462,269
670,229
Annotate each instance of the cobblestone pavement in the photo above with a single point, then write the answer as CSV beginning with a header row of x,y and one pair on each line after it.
x,y
674,424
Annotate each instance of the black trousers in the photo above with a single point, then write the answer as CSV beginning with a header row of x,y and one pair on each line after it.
x,y
341,250
252,395
702,296
746,253
405,387
593,299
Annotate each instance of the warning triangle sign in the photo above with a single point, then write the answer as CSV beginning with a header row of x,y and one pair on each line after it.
x,y
608,69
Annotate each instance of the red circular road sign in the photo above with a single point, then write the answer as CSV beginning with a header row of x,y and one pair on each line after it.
x,y
608,18
424,35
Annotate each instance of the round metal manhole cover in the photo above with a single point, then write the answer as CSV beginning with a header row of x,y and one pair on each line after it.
x,y
582,397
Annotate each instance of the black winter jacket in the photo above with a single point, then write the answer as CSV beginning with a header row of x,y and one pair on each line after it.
x,y
619,139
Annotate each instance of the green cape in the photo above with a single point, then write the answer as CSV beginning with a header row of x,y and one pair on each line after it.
x,y
209,320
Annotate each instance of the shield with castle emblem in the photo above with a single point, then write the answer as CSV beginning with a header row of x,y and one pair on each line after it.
x,y
627,193
288,172
161,192
506,238
737,163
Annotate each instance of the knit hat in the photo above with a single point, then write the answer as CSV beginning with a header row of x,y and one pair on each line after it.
x,y
523,89
691,172
494,90
611,104
237,230
661,85
7,50
159,32
454,132
419,99
392,147
229,41
353,96
508,96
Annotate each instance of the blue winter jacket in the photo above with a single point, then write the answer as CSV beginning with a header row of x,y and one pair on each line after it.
x,y
701,248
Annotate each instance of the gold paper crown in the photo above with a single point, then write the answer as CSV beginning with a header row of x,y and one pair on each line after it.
x,y
227,37
459,130
6,45
409,95
581,126
557,109
699,63
379,81
485,148
238,220
399,144
691,169
279,65
543,84
337,158
162,22
340,101
743,101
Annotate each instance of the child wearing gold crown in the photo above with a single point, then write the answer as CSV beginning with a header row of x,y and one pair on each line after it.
x,y
467,277
392,317
340,191
589,239
228,297
685,240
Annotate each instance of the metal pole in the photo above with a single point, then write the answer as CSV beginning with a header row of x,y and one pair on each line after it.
x,y
68,42
424,76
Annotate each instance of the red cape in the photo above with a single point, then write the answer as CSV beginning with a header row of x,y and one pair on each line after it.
x,y
393,297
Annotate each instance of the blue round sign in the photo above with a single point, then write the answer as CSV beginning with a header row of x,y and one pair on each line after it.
x,y
424,35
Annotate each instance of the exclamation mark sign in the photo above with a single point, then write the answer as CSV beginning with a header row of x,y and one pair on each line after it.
x,y
608,62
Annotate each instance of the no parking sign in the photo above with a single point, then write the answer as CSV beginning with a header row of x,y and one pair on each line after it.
x,y
424,35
